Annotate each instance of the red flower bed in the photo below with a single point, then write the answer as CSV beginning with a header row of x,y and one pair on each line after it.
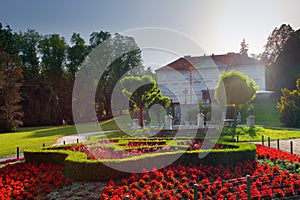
x,y
197,144
136,148
176,182
264,152
102,152
29,180
142,143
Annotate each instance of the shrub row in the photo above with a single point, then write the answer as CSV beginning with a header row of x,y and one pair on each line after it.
x,y
79,168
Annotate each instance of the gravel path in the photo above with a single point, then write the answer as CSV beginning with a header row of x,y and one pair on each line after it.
x,y
82,137
284,145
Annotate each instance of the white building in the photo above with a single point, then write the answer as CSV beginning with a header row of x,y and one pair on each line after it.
x,y
189,79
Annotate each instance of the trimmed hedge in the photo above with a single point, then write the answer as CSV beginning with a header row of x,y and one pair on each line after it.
x,y
201,132
79,168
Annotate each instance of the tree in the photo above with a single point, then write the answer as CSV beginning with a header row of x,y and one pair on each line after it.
x,y
158,99
97,38
289,106
285,70
76,54
53,56
275,43
10,82
27,44
143,96
115,71
32,92
53,52
238,90
244,48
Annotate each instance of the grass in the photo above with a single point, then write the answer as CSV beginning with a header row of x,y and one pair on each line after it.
x,y
266,113
36,136
31,137
255,134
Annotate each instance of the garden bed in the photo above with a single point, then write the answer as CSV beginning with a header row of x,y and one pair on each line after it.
x,y
136,155
267,181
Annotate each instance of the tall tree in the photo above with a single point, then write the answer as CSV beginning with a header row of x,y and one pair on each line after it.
x,y
53,56
31,91
115,71
238,90
10,82
53,53
286,69
76,54
244,48
27,43
275,43
97,38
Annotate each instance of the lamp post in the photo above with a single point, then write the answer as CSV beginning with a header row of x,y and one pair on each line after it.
x,y
185,92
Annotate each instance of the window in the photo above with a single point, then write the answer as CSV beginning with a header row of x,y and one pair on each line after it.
x,y
197,88
186,75
196,76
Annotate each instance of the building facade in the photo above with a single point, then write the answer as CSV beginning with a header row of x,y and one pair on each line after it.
x,y
189,79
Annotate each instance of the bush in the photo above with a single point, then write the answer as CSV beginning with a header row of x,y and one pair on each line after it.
x,y
289,106
78,167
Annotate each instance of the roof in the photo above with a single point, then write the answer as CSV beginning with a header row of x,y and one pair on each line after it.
x,y
229,59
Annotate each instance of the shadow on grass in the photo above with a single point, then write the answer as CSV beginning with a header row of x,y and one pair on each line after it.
x,y
52,131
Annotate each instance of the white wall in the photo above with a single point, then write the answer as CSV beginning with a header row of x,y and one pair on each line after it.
x,y
177,81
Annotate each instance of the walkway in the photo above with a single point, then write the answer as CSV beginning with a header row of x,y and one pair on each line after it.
x,y
82,137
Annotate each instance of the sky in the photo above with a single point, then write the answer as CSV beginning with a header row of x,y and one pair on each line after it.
x,y
217,26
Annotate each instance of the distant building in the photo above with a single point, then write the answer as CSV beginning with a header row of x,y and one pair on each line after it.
x,y
190,79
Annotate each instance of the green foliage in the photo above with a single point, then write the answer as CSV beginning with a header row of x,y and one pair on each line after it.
x,y
289,106
76,54
52,48
235,88
141,96
143,92
275,43
115,71
266,113
285,70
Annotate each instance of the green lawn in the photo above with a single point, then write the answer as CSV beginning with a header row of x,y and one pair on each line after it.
x,y
266,113
256,134
30,137
35,137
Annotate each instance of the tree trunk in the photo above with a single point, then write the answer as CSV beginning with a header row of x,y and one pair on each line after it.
x,y
141,116
235,119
